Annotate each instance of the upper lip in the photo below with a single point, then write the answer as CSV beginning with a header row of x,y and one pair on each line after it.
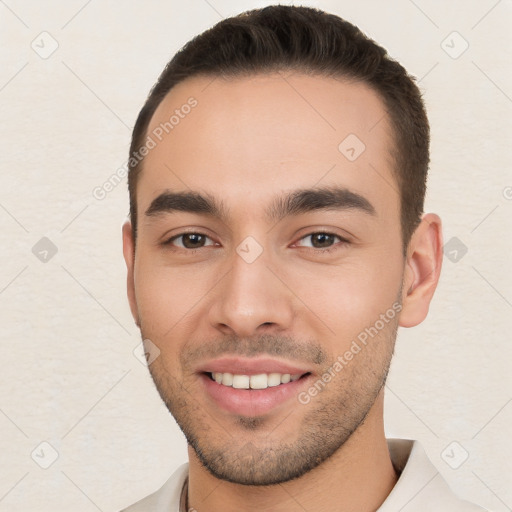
x,y
251,366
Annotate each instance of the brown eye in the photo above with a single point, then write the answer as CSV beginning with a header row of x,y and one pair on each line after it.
x,y
190,241
193,240
321,240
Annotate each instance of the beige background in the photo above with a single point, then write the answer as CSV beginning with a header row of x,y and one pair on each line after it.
x,y
69,374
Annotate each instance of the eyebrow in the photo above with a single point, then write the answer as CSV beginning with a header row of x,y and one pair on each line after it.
x,y
293,203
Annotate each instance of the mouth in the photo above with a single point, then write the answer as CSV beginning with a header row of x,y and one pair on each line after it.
x,y
252,387
258,381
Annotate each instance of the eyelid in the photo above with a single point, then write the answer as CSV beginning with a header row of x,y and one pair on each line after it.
x,y
169,240
342,240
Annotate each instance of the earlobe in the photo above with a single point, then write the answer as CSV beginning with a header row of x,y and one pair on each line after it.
x,y
129,258
422,270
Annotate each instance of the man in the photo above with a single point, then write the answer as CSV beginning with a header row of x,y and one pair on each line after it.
x,y
277,241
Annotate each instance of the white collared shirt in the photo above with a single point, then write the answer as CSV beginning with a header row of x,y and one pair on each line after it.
x,y
420,487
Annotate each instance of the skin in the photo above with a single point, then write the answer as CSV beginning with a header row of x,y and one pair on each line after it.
x,y
249,140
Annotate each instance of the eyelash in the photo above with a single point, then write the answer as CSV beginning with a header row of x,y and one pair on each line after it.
x,y
342,241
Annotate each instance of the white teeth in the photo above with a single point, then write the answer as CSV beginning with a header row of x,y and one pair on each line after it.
x,y
240,381
274,379
227,379
260,381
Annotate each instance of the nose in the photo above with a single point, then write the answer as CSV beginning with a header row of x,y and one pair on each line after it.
x,y
251,299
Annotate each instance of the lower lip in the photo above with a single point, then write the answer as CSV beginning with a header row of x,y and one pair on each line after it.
x,y
251,402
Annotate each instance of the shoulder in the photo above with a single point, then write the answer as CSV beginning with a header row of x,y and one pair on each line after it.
x,y
420,486
165,499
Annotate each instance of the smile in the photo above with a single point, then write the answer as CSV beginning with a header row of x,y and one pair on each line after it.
x,y
259,381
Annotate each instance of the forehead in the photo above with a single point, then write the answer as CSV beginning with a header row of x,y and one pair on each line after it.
x,y
246,138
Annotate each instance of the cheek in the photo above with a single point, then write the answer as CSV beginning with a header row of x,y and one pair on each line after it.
x,y
350,296
166,295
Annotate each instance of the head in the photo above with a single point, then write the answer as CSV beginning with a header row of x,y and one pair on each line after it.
x,y
276,227
312,42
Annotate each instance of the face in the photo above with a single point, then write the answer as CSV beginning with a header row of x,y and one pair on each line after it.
x,y
268,267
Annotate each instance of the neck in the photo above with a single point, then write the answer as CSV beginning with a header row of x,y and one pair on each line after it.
x,y
359,476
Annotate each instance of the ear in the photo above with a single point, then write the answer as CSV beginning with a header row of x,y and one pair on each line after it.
x,y
422,270
129,258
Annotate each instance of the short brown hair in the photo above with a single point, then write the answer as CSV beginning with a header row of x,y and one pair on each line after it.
x,y
305,39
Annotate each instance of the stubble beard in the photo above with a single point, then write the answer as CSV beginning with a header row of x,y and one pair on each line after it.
x,y
249,453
